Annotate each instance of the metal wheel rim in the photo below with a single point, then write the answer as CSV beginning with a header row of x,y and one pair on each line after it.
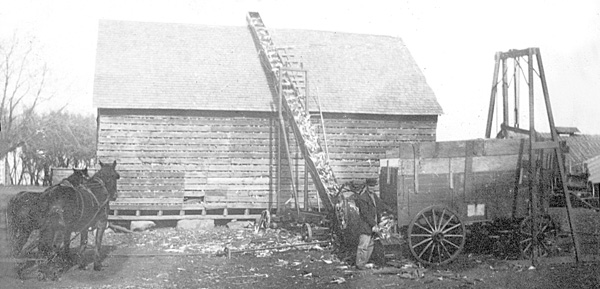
x,y
546,236
307,232
436,235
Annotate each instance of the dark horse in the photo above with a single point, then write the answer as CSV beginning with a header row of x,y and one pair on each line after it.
x,y
76,209
26,211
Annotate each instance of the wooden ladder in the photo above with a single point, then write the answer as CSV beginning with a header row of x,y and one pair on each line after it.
x,y
284,69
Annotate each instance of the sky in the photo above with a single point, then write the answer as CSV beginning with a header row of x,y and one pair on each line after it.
x,y
453,42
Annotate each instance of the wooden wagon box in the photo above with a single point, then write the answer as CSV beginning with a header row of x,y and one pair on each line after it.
x,y
477,179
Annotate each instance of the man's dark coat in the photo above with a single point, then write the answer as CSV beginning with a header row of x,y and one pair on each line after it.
x,y
369,213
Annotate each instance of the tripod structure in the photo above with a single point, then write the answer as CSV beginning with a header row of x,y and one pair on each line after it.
x,y
536,146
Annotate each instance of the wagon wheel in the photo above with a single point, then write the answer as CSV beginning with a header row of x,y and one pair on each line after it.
x,y
306,232
546,236
436,235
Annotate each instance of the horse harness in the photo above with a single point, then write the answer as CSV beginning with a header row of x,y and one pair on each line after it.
x,y
83,191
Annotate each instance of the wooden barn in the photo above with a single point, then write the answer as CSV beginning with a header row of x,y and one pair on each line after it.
x,y
191,117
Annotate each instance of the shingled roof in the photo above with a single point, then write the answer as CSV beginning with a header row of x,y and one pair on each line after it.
x,y
185,66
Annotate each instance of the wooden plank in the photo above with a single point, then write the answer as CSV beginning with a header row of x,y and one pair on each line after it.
x,y
117,141
182,217
181,147
178,120
174,155
147,201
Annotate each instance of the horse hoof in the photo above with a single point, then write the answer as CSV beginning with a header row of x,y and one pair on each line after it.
x,y
97,267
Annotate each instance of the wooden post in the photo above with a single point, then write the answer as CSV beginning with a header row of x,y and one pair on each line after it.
x,y
488,129
306,205
517,92
532,165
417,160
557,153
505,111
279,132
287,145
468,174
518,178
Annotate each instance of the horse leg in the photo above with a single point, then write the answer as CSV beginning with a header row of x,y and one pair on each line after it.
x,y
99,234
66,245
22,235
83,235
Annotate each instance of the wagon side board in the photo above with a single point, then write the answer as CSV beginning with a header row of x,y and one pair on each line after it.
x,y
476,179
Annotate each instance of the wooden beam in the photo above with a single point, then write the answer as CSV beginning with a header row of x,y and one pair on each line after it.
x,y
558,154
488,129
505,111
532,164
513,53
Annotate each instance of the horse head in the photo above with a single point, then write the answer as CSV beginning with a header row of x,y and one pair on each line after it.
x,y
109,176
78,177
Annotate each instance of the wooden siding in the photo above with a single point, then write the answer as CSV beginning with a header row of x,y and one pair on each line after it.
x,y
229,159
356,143
224,157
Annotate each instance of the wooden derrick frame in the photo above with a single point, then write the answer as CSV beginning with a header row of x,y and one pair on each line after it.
x,y
535,146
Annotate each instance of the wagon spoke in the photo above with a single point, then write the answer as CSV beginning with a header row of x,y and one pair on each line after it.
x,y
431,253
445,249
451,228
433,216
447,222
420,235
441,219
427,230
526,249
454,236
439,251
425,249
446,241
427,221
422,242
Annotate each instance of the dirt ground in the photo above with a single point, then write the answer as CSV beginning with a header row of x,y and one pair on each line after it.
x,y
170,258
166,257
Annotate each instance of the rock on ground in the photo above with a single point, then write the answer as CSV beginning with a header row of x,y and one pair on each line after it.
x,y
195,224
141,225
236,225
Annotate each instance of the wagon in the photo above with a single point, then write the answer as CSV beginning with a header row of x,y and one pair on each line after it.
x,y
439,189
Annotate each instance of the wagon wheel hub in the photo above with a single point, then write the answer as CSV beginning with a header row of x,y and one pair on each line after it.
x,y
438,237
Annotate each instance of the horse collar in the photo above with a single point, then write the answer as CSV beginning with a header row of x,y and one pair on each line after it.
x,y
99,180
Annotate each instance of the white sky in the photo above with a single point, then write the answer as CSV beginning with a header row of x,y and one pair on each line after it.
x,y
453,43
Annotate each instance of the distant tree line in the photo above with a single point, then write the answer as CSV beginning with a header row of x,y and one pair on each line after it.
x,y
31,142
57,139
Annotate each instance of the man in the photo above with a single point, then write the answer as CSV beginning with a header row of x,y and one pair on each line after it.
x,y
370,208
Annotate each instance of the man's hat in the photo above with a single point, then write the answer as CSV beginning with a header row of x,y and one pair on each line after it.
x,y
371,182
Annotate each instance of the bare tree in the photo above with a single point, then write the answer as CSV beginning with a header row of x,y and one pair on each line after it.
x,y
22,81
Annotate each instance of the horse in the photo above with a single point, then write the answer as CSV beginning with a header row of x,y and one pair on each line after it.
x,y
76,209
26,211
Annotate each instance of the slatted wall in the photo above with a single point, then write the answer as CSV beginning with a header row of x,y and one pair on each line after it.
x,y
219,160
356,143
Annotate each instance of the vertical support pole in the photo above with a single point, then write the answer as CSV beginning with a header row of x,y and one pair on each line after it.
x,y
517,91
558,154
468,173
306,205
279,132
532,164
505,110
417,161
518,177
488,128
287,145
